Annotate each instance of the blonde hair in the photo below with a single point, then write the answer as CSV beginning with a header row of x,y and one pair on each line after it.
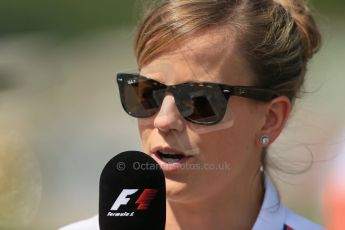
x,y
277,37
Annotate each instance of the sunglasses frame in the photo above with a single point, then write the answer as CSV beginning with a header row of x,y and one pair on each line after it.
x,y
250,92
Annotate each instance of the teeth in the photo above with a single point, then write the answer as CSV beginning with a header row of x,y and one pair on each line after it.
x,y
170,157
169,160
168,153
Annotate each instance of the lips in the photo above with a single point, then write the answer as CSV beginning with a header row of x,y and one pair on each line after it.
x,y
169,158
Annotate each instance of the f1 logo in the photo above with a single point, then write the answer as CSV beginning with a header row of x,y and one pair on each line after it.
x,y
143,201
122,198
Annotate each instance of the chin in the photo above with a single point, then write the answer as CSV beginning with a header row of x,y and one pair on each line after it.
x,y
176,191
181,192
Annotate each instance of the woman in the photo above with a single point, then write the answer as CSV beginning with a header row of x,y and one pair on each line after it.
x,y
234,69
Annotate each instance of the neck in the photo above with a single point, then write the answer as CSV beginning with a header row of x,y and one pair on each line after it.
x,y
236,208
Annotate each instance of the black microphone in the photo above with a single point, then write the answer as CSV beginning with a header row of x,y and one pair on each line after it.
x,y
132,193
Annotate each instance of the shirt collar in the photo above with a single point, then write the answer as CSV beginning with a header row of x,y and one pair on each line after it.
x,y
272,213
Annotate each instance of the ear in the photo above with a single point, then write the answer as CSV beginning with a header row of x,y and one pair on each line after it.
x,y
276,115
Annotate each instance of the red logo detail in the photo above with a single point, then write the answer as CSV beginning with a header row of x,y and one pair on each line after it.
x,y
145,198
286,227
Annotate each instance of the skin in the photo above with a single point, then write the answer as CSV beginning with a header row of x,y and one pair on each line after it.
x,y
212,199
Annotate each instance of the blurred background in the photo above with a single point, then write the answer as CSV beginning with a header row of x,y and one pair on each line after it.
x,y
61,120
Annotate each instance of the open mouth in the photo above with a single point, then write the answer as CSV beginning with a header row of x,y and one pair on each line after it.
x,y
170,158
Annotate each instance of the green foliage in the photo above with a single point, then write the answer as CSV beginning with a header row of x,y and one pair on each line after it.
x,y
75,16
65,16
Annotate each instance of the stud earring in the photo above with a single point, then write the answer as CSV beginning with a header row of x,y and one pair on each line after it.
x,y
264,139
261,168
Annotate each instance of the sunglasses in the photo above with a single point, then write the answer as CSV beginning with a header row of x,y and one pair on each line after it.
x,y
202,103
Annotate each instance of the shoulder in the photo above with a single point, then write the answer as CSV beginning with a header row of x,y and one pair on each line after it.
x,y
88,224
274,215
294,221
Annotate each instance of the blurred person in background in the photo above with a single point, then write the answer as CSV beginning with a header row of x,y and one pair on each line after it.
x,y
334,192
20,175
20,181
236,68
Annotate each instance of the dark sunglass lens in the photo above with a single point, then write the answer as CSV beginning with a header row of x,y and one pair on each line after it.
x,y
137,97
202,104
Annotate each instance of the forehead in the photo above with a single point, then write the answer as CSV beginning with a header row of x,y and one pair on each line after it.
x,y
210,55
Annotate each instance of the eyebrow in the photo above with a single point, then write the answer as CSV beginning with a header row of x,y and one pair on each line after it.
x,y
186,82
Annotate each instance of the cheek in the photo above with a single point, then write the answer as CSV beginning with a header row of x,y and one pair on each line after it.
x,y
145,129
246,120
223,146
233,144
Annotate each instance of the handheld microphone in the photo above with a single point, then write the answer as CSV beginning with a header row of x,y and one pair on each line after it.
x,y
132,193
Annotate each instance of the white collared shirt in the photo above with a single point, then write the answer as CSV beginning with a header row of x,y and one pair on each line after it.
x,y
273,216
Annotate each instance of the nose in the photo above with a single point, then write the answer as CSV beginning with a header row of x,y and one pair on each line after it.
x,y
168,117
